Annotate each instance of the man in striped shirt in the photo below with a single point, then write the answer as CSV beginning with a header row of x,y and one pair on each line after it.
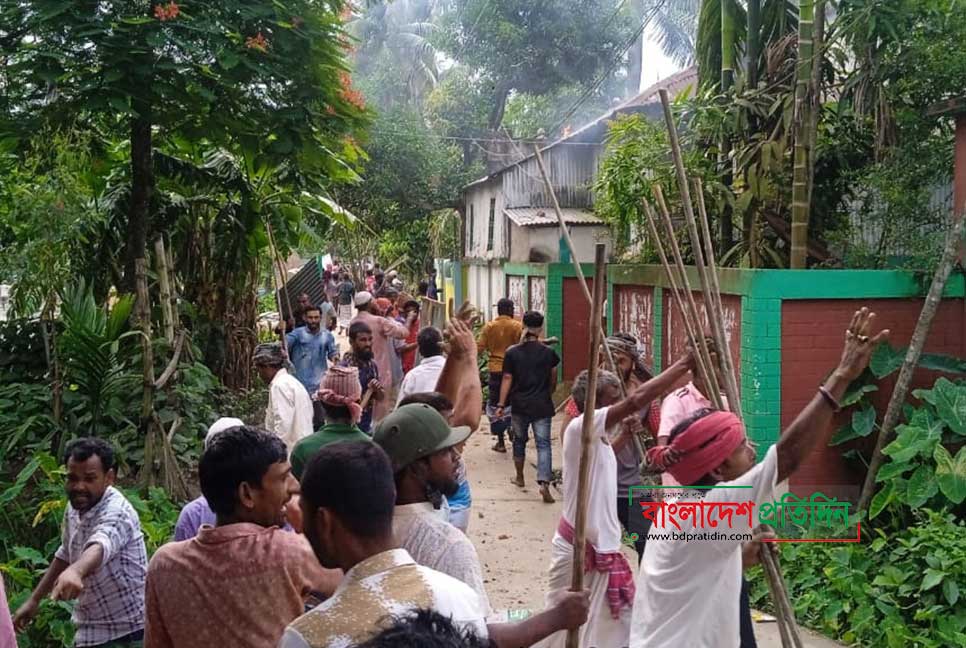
x,y
102,560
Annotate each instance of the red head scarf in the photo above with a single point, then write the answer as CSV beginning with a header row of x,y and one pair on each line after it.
x,y
701,448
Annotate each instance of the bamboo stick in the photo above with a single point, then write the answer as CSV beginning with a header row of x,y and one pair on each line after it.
x,y
903,382
713,300
701,345
583,474
776,584
690,326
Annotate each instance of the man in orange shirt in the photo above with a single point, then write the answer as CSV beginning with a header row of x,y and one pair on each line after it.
x,y
496,337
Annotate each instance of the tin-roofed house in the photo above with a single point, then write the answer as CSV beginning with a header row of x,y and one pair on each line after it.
x,y
511,233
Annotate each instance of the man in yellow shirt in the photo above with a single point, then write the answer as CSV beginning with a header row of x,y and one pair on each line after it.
x,y
496,337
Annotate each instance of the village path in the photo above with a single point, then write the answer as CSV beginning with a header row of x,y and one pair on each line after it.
x,y
512,529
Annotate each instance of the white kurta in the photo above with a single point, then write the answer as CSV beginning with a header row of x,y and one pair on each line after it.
x,y
688,591
289,412
603,532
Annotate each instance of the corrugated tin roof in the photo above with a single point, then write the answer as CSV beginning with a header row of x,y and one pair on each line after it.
x,y
543,217
686,79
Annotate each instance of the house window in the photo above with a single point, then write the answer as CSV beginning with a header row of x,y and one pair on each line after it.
x,y
489,235
471,227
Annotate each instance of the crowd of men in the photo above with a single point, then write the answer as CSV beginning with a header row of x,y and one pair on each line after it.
x,y
341,521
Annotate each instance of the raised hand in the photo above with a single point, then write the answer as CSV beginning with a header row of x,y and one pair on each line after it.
x,y
859,344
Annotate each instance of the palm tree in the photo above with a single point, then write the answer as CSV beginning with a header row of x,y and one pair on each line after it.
x,y
673,24
402,29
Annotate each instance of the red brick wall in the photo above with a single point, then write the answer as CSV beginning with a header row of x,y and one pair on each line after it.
x,y
676,336
576,328
634,313
812,335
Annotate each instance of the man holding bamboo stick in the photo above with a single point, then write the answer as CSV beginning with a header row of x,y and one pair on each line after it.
x,y
689,590
609,577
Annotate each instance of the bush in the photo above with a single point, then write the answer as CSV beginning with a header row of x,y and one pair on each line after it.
x,y
900,590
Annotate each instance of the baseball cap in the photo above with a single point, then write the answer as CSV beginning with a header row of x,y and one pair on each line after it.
x,y
363,297
415,431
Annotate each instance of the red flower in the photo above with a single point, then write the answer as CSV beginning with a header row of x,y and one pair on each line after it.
x,y
169,11
258,42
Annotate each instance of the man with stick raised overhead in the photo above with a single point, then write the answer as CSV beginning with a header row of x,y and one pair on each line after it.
x,y
688,590
609,578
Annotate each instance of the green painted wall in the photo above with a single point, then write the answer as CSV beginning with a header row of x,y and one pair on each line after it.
x,y
762,293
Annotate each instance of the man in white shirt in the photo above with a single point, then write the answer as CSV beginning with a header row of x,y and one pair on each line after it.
x,y
609,577
689,590
424,376
348,496
289,411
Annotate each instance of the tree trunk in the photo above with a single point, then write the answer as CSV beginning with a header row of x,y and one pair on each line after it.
x,y
815,91
499,106
803,119
727,45
904,381
142,187
753,43
727,81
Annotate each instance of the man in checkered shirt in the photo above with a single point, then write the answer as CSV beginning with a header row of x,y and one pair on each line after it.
x,y
102,560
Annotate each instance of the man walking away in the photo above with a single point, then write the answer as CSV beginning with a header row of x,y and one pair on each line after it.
x,y
384,331
348,494
289,412
360,357
529,378
329,316
496,337
339,398
240,582
347,291
102,559
310,349
423,378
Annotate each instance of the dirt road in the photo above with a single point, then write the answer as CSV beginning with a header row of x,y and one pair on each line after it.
x,y
512,529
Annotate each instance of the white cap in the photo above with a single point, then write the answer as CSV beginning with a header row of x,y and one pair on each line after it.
x,y
363,297
220,426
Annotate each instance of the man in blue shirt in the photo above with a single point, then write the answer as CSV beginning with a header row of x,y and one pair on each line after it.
x,y
310,348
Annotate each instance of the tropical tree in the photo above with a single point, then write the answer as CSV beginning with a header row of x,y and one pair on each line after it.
x,y
267,78
522,46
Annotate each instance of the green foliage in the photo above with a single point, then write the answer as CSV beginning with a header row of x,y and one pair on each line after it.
x,y
411,172
89,347
534,47
900,590
636,159
48,215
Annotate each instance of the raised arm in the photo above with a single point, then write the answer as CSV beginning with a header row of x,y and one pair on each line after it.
x,y
460,379
811,426
643,395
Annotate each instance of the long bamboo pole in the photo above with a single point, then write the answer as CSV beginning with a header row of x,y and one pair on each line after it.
x,y
587,428
717,311
903,382
692,327
701,348
712,296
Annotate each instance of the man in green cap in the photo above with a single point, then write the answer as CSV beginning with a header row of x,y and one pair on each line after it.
x,y
422,447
